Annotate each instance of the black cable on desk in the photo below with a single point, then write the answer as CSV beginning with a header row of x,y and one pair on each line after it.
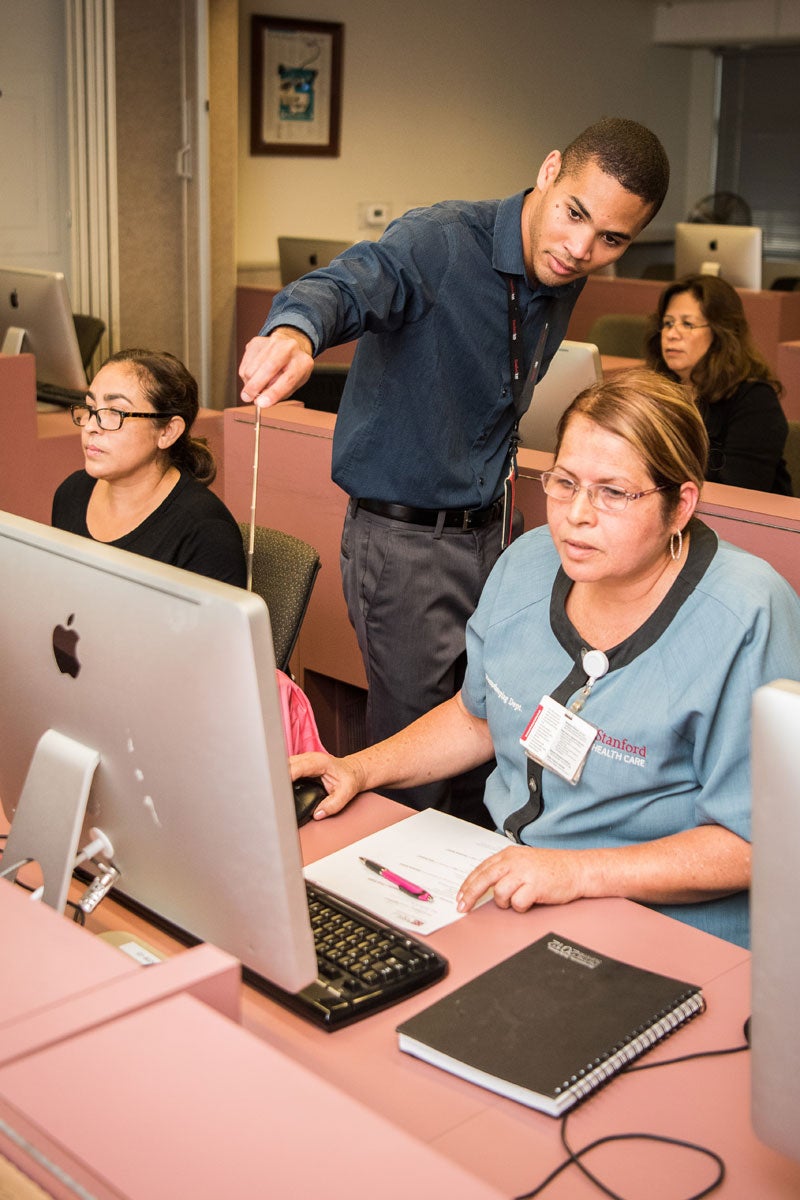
x,y
574,1157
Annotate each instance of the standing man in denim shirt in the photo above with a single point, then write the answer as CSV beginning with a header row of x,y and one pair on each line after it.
x,y
452,308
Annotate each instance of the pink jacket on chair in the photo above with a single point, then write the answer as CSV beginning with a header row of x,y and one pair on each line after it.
x,y
299,726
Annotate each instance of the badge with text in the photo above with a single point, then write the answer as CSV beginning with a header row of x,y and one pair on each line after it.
x,y
559,739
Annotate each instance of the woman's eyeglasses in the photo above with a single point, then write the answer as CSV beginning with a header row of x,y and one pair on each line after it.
x,y
683,324
601,495
108,419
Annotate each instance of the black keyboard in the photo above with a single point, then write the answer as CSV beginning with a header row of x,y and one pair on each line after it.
x,y
364,964
50,393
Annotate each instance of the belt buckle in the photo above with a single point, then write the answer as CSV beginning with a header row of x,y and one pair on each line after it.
x,y
467,518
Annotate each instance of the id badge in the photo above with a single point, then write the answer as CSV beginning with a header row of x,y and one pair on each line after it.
x,y
559,739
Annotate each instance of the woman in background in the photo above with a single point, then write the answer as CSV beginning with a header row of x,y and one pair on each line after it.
x,y
144,486
699,336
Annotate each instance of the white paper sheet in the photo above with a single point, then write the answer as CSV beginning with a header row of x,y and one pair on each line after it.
x,y
431,849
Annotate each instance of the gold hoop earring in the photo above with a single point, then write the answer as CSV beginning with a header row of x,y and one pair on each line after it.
x,y
675,553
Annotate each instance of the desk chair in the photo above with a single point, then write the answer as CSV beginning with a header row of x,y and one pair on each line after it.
x,y
791,455
659,270
323,389
284,570
89,330
619,334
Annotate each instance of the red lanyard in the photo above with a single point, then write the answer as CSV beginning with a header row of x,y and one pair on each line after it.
x,y
522,392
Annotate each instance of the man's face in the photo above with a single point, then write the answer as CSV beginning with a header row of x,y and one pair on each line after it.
x,y
577,224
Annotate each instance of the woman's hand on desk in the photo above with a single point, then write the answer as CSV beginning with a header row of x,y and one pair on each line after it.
x,y
693,865
522,876
341,777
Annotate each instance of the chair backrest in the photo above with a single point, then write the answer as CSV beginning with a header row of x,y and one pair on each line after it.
x,y
659,270
786,283
88,330
619,333
284,570
791,454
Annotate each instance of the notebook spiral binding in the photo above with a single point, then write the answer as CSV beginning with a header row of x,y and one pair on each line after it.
x,y
663,1024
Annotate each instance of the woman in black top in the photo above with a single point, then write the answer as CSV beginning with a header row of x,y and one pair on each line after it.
x,y
144,486
699,336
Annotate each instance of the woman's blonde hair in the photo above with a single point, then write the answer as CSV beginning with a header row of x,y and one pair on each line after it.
x,y
655,417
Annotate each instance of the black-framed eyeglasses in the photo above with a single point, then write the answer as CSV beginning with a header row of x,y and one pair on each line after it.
x,y
109,419
602,496
685,325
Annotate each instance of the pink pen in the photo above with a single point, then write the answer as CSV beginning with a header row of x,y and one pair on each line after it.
x,y
411,889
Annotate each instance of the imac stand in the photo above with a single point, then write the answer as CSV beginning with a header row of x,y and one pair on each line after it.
x,y
49,816
14,340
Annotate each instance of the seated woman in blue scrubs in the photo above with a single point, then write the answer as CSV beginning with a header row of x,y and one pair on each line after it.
x,y
623,642
145,481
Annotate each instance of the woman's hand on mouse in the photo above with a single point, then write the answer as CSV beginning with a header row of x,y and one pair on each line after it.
x,y
341,777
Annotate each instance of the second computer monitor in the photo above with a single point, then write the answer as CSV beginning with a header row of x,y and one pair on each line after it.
x,y
36,318
299,255
574,367
734,252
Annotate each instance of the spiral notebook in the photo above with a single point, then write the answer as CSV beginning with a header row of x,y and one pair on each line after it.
x,y
550,1024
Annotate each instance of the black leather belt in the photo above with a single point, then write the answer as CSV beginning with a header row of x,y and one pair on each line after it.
x,y
451,518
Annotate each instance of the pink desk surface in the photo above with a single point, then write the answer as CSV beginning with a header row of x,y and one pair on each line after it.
x,y
188,1104
165,1088
59,979
510,1146
766,525
789,374
47,958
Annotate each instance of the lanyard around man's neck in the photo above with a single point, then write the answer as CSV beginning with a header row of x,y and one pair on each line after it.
x,y
522,386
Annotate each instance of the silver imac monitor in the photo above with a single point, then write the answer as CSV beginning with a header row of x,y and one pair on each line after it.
x,y
775,909
141,700
574,366
36,318
734,252
299,255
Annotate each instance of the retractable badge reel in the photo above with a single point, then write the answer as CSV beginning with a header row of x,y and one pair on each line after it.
x,y
556,736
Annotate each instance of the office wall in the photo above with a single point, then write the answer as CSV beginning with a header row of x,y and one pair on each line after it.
x,y
443,100
152,226
34,180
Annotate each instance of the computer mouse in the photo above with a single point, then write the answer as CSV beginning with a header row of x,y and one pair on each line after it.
x,y
308,792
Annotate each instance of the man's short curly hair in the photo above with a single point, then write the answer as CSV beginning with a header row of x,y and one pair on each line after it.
x,y
628,152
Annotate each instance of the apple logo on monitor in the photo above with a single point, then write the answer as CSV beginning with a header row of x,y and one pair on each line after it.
x,y
65,641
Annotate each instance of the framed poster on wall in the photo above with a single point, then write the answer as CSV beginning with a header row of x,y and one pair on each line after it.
x,y
296,80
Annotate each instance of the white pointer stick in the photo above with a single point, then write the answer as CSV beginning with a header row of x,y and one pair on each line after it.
x,y
252,537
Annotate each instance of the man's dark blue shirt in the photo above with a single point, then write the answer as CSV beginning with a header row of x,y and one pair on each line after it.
x,y
427,411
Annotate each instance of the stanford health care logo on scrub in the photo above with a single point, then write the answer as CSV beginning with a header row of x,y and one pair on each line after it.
x,y
619,749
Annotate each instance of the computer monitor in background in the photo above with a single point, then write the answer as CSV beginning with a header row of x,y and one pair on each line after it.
x,y
169,679
36,318
734,252
298,255
775,911
574,366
